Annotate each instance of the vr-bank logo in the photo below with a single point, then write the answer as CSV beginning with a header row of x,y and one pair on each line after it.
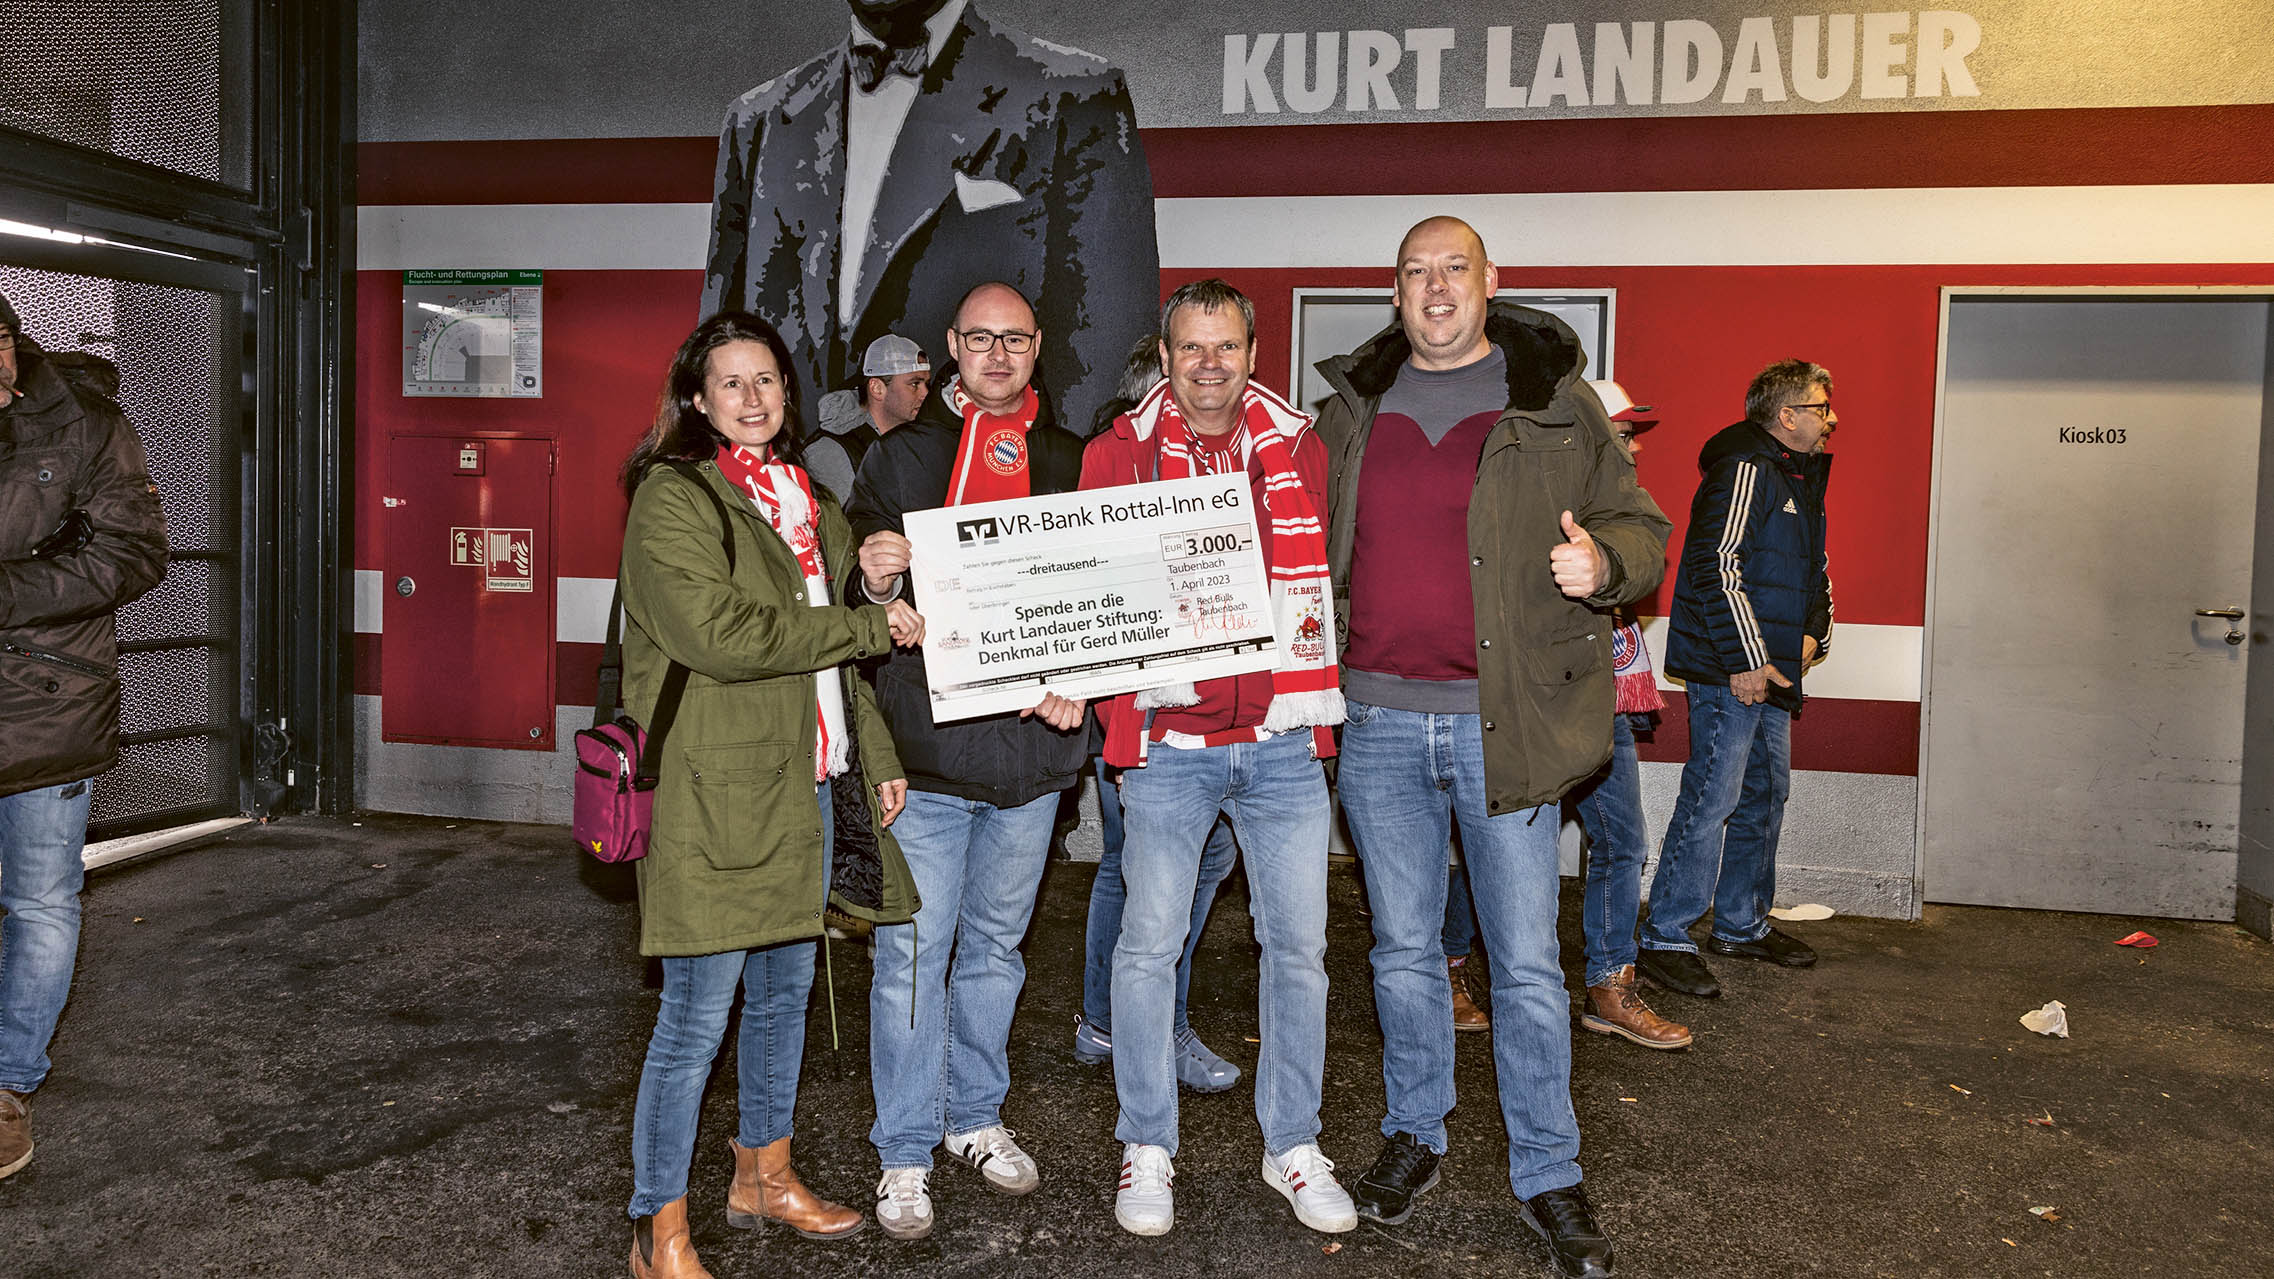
x,y
984,531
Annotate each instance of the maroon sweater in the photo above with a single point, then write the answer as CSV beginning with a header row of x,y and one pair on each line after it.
x,y
1412,614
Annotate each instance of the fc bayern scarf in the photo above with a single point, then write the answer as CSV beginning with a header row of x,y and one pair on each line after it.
x,y
1630,671
990,464
1307,684
784,495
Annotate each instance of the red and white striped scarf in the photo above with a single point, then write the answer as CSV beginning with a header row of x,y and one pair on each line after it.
x,y
1307,684
784,495
990,463
1635,687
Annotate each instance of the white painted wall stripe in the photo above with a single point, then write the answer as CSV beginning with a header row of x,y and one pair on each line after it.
x,y
1876,227
1868,663
552,237
370,600
582,607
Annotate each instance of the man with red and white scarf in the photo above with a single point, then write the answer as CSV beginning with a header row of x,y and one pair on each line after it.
x,y
1246,746
982,793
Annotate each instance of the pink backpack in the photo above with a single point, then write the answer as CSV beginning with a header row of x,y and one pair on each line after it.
x,y
616,762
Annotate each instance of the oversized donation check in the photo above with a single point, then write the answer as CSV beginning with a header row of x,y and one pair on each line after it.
x,y
1088,594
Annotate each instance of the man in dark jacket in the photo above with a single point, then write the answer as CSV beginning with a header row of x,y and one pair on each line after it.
x,y
80,535
1752,611
861,192
982,793
1481,514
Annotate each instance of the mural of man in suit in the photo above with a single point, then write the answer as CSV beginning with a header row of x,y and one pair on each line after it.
x,y
867,190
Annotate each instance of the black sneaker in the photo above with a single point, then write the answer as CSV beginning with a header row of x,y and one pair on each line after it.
x,y
1774,947
1562,1217
1679,971
1403,1170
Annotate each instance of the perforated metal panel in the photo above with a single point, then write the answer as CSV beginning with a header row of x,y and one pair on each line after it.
x,y
148,80
179,661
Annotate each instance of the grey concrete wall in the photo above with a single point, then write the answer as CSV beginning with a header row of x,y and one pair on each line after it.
x,y
1847,836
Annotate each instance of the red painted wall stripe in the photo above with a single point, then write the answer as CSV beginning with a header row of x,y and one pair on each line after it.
x,y
2065,147
1835,735
1688,338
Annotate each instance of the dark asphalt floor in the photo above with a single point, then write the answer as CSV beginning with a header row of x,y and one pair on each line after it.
x,y
409,1047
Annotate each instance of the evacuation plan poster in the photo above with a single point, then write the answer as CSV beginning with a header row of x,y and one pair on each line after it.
x,y
474,333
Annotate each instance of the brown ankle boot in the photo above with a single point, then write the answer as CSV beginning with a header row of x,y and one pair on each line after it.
x,y
661,1248
766,1187
1466,1014
1616,1008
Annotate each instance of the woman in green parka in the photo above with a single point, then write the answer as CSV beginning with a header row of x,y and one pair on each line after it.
x,y
762,813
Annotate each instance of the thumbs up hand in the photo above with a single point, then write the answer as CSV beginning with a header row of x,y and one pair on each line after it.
x,y
1577,563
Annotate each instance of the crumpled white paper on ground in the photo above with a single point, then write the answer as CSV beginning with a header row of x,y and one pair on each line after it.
x,y
2052,1019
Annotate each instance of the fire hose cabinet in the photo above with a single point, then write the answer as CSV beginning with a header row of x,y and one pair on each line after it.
x,y
466,634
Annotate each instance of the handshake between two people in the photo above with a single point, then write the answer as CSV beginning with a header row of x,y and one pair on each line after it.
x,y
883,559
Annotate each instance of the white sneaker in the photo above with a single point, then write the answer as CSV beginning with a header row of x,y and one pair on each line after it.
x,y
904,1202
998,1158
1306,1176
1146,1202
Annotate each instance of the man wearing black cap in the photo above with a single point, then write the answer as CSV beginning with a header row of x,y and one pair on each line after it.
x,y
80,536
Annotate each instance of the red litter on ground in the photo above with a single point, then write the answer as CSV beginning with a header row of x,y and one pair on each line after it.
x,y
2139,941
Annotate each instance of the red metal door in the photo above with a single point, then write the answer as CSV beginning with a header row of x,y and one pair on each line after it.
x,y
466,645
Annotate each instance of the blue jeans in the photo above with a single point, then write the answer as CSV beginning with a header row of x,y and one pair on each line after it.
x,y
1107,895
1406,777
1275,793
939,1035
698,993
1460,915
1721,845
1610,808
42,835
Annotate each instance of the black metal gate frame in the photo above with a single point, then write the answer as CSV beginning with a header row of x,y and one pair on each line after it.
x,y
286,248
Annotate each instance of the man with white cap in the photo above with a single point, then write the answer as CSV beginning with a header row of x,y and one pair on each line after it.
x,y
895,376
1610,809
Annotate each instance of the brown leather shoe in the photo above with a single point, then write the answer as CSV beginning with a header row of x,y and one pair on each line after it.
x,y
1466,1015
1616,1008
767,1188
15,1131
661,1248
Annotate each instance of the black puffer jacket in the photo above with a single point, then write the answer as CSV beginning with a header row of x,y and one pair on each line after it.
x,y
66,448
1755,584
997,759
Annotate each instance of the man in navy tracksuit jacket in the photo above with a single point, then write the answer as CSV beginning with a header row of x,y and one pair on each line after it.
x,y
1752,611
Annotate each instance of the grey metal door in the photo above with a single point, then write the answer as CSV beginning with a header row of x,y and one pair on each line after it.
x,y
2096,485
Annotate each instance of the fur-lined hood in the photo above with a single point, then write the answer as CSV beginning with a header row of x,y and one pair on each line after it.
x,y
1544,357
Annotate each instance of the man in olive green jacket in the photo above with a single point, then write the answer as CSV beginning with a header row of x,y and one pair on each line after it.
x,y
726,870
1481,514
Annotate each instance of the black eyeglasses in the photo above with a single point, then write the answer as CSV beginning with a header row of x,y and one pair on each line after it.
x,y
7,341
983,340
1823,406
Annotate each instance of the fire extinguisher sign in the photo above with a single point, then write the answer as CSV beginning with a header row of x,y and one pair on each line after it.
x,y
504,555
